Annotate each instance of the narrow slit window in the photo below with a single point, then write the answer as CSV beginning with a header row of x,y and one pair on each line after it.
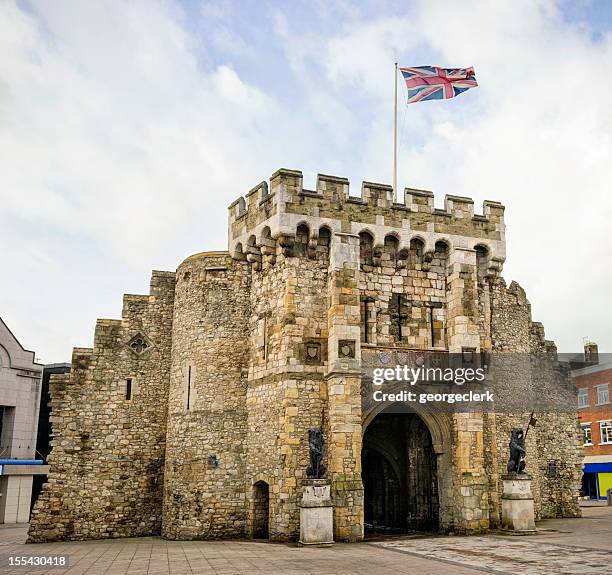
x,y
128,389
366,321
188,387
265,336
399,317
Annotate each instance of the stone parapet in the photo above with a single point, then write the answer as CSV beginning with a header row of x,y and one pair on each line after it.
x,y
274,211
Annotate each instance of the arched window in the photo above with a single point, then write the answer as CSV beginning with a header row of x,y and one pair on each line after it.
x,y
389,256
366,247
417,247
239,253
268,245
265,234
301,240
441,247
440,257
261,510
324,243
241,206
482,260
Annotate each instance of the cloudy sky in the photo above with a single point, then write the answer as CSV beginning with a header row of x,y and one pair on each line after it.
x,y
126,128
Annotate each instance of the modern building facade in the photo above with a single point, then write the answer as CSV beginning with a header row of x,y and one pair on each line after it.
x,y
593,381
20,384
189,417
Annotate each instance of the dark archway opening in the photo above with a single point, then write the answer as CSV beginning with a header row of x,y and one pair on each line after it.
x,y
261,510
589,486
399,475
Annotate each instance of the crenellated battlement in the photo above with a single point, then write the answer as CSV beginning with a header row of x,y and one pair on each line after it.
x,y
273,211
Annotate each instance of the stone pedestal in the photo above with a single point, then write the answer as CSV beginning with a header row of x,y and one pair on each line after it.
x,y
517,505
316,513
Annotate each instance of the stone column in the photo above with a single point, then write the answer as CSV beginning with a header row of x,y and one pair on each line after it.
x,y
462,303
344,388
471,483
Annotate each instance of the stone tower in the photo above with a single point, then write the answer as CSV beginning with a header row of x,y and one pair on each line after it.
x,y
233,359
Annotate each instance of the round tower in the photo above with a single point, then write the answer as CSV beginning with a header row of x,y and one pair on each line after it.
x,y
204,469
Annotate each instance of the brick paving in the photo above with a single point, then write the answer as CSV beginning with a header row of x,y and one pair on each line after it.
x,y
563,546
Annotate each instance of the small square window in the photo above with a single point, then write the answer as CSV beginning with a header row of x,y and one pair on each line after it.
x,y
602,394
583,397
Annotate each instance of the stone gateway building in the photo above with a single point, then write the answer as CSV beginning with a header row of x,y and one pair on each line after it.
x,y
189,418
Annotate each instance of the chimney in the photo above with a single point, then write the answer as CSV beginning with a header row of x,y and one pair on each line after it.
x,y
591,353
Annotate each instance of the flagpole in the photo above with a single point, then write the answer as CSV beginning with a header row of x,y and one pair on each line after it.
x,y
531,418
395,196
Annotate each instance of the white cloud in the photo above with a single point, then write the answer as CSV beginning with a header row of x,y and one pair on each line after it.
x,y
535,135
539,143
113,134
124,135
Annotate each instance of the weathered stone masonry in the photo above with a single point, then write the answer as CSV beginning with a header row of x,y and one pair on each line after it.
x,y
107,450
189,417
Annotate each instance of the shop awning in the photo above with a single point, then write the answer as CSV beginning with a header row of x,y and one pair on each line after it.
x,y
598,467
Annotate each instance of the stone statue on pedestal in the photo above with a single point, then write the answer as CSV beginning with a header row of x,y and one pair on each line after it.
x,y
516,463
518,510
316,508
316,469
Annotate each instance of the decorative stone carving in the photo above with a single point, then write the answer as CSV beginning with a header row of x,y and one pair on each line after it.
x,y
286,242
346,348
139,344
427,259
312,354
495,267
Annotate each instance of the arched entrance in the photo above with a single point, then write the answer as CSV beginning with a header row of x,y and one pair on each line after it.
x,y
261,510
399,474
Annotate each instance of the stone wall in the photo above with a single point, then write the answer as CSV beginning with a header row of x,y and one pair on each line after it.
x,y
286,390
108,446
559,444
190,416
529,379
204,490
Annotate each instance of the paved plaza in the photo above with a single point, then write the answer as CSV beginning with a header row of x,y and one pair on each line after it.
x,y
562,546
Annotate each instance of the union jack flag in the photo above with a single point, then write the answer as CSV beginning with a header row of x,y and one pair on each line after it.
x,y
433,83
